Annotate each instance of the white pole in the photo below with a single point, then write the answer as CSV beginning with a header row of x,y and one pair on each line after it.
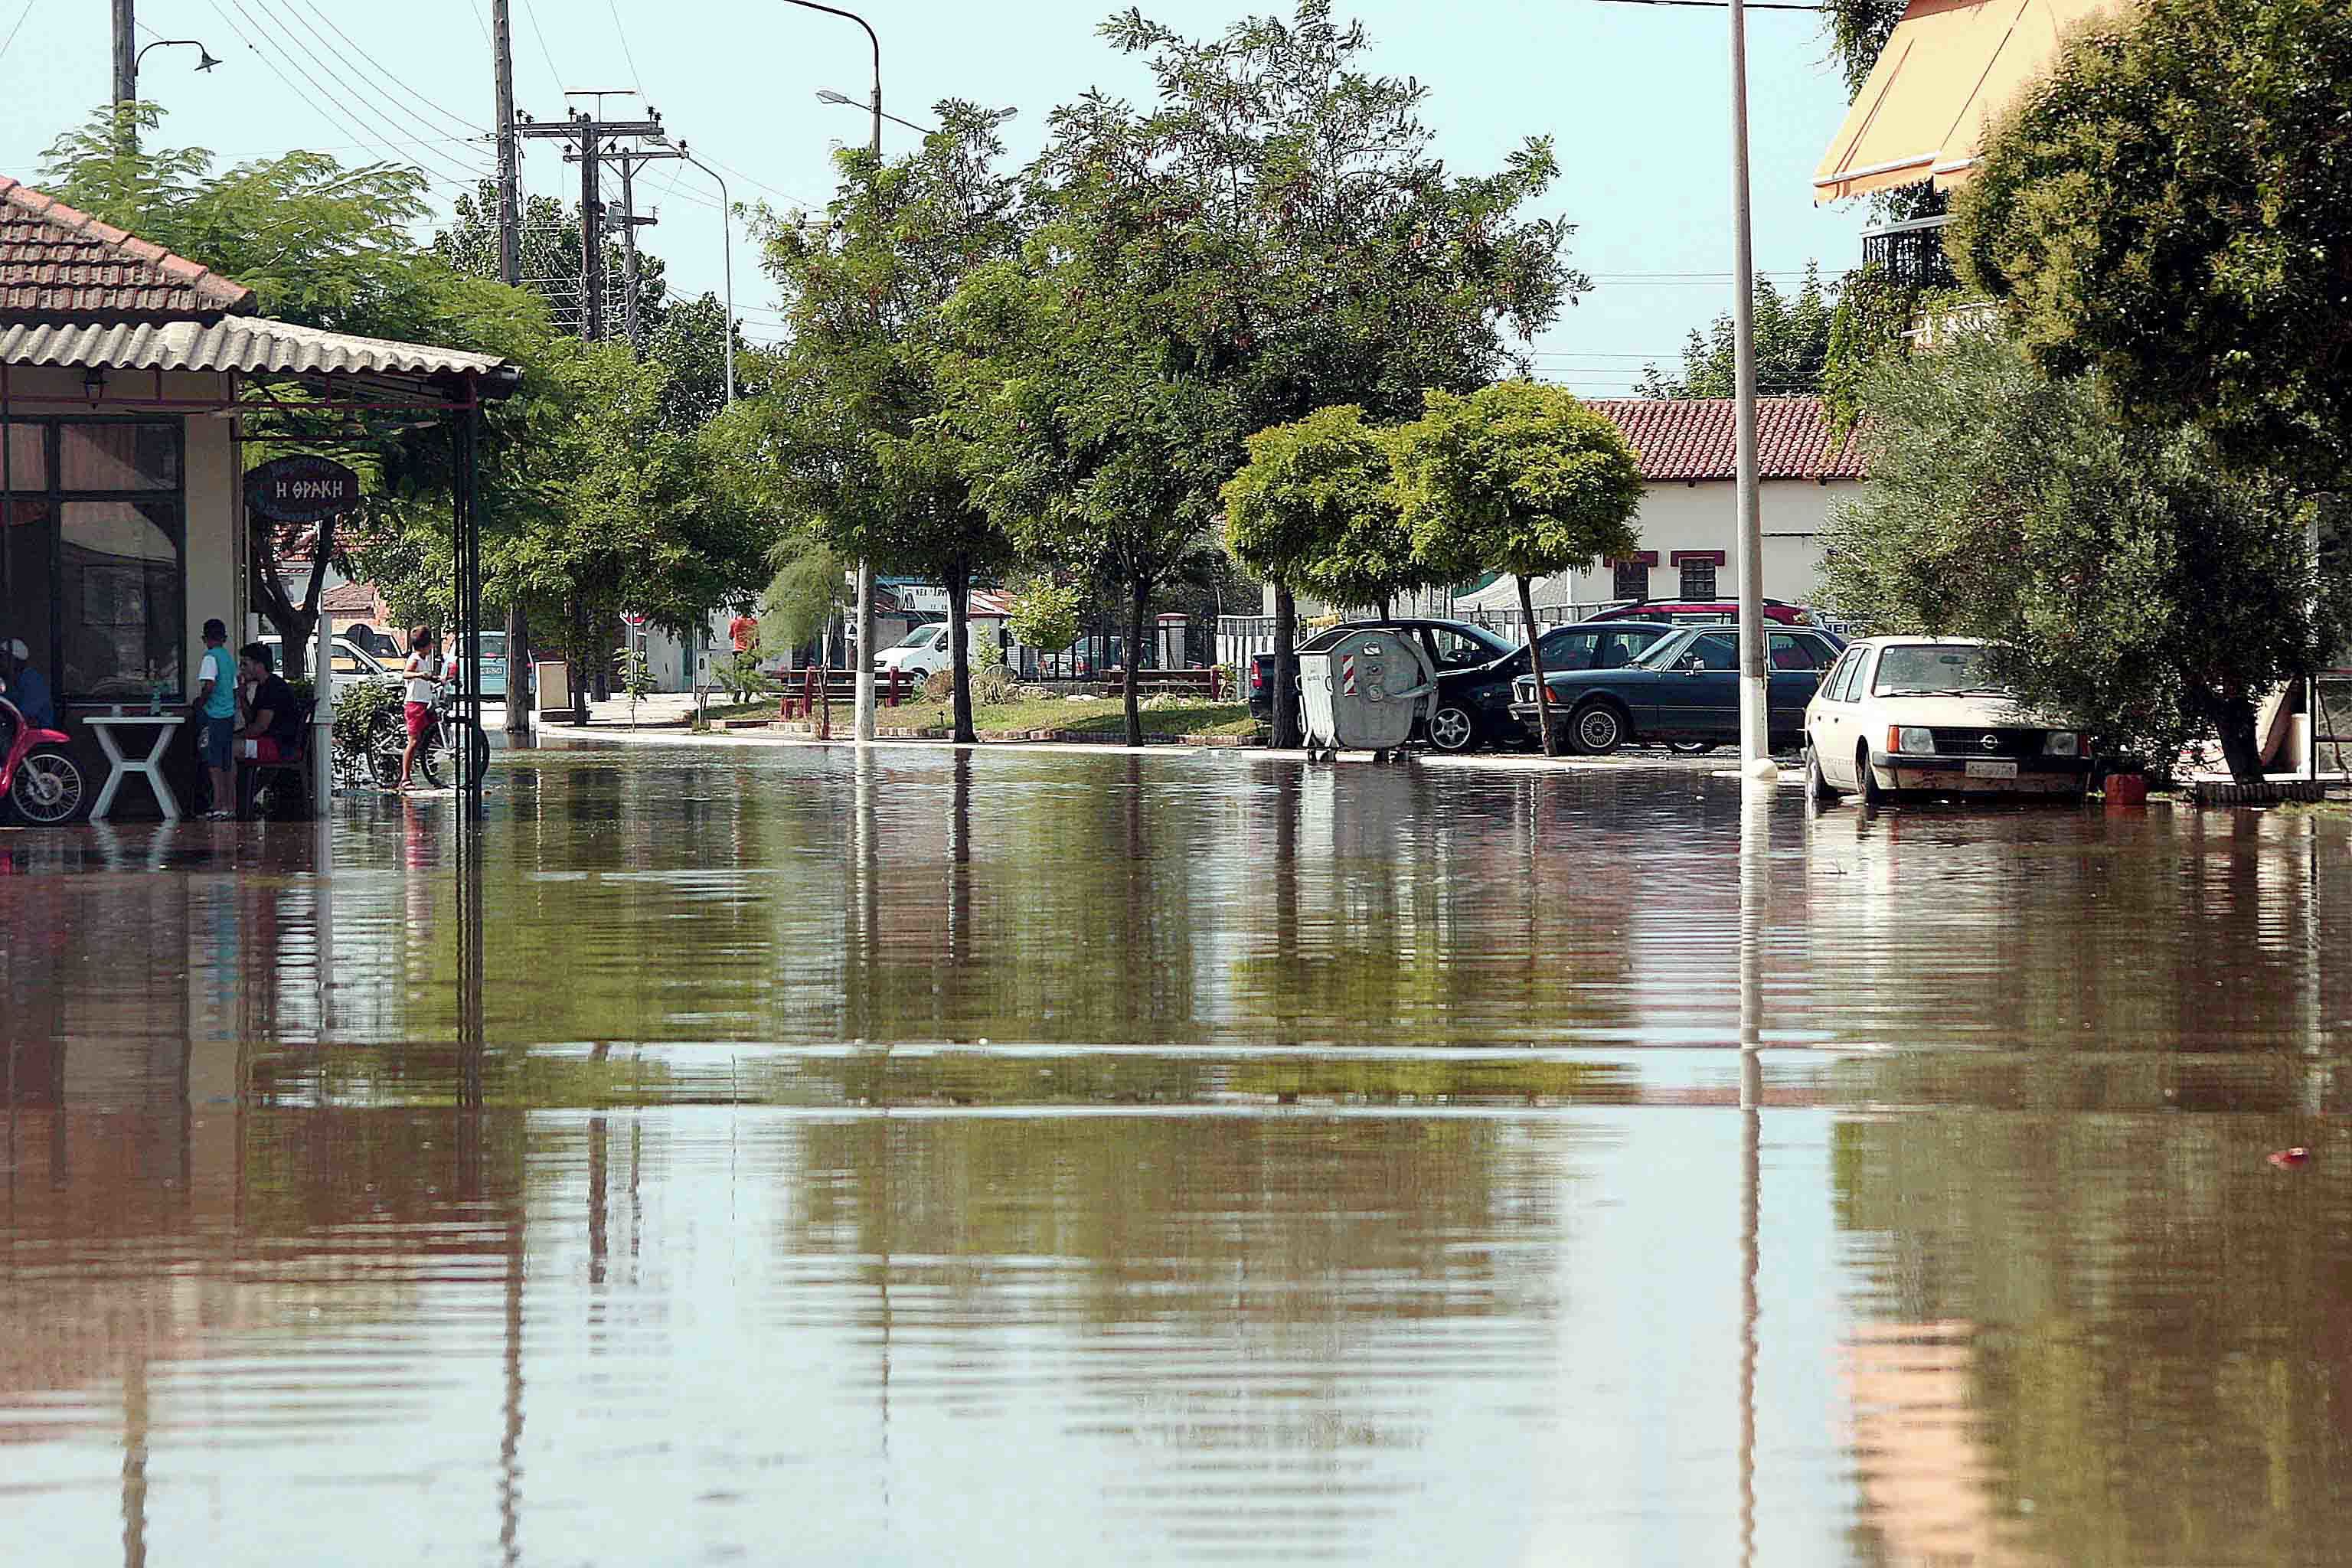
x,y
1755,736
727,256
322,717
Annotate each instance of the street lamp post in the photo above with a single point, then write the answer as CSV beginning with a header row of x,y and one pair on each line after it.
x,y
864,562
727,258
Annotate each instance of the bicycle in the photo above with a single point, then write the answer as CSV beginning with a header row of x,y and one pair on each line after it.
x,y
452,750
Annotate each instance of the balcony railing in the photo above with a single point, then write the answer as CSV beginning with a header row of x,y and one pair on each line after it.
x,y
1911,253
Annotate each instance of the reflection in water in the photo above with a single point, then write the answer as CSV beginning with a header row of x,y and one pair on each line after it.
x,y
1353,1174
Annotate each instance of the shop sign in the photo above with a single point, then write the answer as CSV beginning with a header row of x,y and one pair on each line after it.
x,y
302,490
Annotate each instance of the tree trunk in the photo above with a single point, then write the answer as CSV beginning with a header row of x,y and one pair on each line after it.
x,y
518,670
1139,600
579,661
599,656
1286,666
1535,663
959,648
2241,749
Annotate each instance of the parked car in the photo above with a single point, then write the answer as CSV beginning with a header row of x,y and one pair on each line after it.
x,y
1697,611
1474,706
1684,690
1447,644
925,651
352,662
1926,713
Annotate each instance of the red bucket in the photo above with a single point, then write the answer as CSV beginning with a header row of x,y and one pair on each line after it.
x,y
2127,790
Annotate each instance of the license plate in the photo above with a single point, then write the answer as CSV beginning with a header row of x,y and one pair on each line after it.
x,y
1992,770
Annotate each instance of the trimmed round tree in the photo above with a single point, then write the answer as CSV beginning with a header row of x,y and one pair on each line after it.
x,y
1315,507
1521,477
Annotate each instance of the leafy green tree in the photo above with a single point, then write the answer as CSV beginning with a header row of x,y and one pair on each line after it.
x,y
1792,343
548,260
2171,207
2135,583
1315,508
1273,235
1520,477
1045,613
808,590
857,423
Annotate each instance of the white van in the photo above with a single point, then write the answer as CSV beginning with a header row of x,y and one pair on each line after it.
x,y
924,650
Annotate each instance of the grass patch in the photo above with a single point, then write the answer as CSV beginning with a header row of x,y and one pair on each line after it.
x,y
1106,716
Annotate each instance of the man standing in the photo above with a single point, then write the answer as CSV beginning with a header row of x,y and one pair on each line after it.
x,y
273,725
26,688
214,709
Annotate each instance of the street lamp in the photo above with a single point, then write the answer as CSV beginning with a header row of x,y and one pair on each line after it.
x,y
864,562
204,58
727,256
827,95
1755,737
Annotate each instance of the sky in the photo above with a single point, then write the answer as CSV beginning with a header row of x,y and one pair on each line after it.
x,y
1635,97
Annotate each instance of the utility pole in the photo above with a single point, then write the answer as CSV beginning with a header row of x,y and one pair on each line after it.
x,y
628,223
1754,740
126,53
509,150
520,666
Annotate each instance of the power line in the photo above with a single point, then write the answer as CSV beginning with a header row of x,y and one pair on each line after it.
x,y
460,121
327,65
545,53
19,28
621,33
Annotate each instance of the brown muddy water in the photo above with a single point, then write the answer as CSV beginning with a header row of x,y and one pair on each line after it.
x,y
742,1157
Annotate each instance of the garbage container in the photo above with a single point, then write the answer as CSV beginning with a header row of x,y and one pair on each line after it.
x,y
1364,691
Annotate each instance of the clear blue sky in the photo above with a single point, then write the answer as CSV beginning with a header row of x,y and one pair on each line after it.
x,y
1635,97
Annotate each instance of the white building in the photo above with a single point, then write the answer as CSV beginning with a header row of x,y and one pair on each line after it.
x,y
1689,521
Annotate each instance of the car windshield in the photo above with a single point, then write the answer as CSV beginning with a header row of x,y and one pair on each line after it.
x,y
1920,669
1500,645
919,637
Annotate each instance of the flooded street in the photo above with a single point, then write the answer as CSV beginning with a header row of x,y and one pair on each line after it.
x,y
757,1156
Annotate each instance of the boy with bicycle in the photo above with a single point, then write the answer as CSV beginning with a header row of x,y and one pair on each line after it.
x,y
424,674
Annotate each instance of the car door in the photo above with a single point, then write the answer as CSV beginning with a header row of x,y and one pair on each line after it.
x,y
1821,715
1699,693
1842,719
1621,647
1793,662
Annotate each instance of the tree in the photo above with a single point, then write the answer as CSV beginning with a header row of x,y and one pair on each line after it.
x,y
859,421
2171,207
1792,343
1518,478
548,260
1315,508
319,244
2133,584
1272,235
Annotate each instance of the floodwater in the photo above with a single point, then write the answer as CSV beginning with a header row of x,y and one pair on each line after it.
x,y
742,1156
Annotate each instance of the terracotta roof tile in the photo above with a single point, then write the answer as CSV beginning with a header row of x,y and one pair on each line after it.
x,y
1688,438
55,261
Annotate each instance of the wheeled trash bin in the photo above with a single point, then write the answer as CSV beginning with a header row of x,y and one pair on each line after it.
x,y
1364,692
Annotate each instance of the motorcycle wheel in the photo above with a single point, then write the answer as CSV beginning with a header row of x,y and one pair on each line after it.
x,y
48,788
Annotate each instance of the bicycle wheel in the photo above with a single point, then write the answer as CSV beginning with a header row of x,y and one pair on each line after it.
x,y
386,739
435,759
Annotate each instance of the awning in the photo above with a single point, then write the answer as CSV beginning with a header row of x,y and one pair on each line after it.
x,y
251,344
1948,70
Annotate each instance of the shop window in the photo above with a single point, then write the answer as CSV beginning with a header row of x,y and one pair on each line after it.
x,y
117,454
1698,579
118,580
27,455
1633,580
28,543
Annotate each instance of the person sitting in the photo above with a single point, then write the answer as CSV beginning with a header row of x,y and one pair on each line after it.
x,y
26,686
273,728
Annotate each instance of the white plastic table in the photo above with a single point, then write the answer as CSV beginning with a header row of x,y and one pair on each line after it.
x,y
149,766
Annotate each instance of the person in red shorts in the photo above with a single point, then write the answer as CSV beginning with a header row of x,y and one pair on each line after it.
x,y
273,725
423,674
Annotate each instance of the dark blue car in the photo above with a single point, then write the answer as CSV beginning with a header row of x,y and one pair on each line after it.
x,y
1684,691
1474,706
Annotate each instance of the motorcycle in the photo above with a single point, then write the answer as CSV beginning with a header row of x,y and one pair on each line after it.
x,y
37,775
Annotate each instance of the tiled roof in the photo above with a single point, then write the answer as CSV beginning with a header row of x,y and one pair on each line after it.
x,y
57,262
349,599
1686,438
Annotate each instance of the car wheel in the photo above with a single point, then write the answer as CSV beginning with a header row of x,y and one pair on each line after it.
x,y
1866,779
1452,729
1817,782
1691,748
1599,729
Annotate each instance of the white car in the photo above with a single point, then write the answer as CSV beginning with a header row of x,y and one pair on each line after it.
x,y
1925,713
924,650
352,662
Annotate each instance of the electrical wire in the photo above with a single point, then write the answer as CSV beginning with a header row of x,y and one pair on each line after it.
x,y
356,102
545,53
459,121
636,80
19,28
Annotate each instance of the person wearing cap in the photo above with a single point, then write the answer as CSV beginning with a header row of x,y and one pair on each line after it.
x,y
25,686
215,711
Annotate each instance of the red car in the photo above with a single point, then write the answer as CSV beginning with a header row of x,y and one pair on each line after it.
x,y
1693,612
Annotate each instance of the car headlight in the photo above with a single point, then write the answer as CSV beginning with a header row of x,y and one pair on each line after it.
x,y
1915,738
2064,743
